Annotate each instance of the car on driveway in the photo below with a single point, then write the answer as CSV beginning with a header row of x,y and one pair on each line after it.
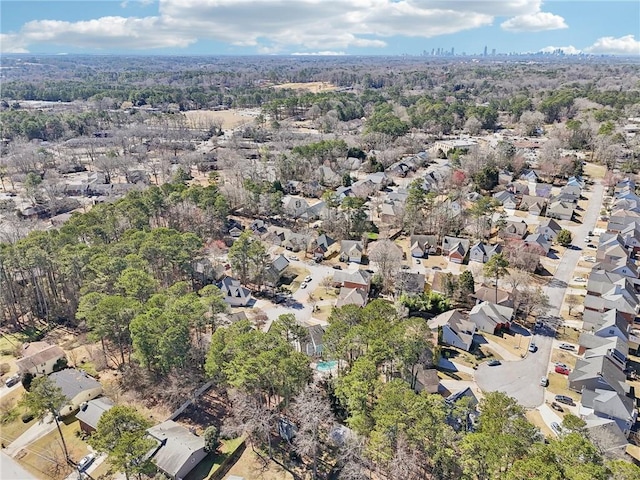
x,y
308,279
303,285
579,279
12,380
557,407
567,346
544,381
557,429
494,363
564,399
84,463
563,365
562,370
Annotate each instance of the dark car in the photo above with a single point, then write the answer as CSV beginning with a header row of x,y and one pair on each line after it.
x,y
337,267
557,407
493,363
13,380
564,399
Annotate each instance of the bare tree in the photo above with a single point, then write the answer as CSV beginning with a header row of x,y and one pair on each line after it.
x,y
250,417
352,459
315,420
387,256
473,125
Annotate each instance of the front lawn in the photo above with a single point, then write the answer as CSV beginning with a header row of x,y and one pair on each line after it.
x,y
558,385
213,461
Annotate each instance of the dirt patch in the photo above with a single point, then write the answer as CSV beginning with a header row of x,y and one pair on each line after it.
x,y
230,118
560,356
251,465
210,409
595,171
314,87
535,418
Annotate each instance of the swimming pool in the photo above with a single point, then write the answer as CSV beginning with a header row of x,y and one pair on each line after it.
x,y
326,366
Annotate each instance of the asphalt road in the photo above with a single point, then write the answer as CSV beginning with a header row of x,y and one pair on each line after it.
x,y
521,379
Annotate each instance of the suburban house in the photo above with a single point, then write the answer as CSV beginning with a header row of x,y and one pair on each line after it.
x,y
592,345
410,283
533,205
514,230
518,188
276,269
493,295
601,281
457,330
321,246
351,251
234,293
427,380
622,266
421,245
90,413
481,252
611,249
620,296
606,435
491,318
294,206
560,210
352,296
311,344
359,279
39,358
549,229
507,199
608,324
608,404
178,451
539,242
77,386
600,372
455,248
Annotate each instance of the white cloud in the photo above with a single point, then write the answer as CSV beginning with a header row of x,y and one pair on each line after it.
x,y
626,45
568,50
278,25
535,22
12,43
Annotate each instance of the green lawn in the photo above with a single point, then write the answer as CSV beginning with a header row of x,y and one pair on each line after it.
x,y
11,424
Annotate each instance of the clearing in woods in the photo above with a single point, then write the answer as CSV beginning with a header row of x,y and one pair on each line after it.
x,y
313,87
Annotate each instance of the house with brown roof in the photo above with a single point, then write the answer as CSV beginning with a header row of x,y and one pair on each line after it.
x,y
514,230
39,358
533,205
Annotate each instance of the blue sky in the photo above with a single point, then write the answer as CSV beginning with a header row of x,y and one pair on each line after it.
x,y
364,27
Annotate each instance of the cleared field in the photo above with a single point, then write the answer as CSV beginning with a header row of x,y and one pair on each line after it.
x,y
314,87
230,118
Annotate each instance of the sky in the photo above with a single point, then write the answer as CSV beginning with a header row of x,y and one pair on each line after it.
x,y
319,27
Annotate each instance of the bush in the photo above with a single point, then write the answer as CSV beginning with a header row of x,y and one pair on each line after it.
x,y
4,368
27,417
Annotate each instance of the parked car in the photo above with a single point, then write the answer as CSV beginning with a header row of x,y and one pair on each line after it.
x,y
590,233
566,346
590,259
12,380
579,279
533,347
591,245
308,279
494,363
436,268
557,407
337,267
557,429
303,285
418,261
562,370
563,399
563,365
292,257
544,381
84,463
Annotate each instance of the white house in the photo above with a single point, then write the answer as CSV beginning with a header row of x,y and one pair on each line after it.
x,y
457,331
351,251
234,293
39,358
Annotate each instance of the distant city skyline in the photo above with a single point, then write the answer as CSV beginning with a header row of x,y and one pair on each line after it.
x,y
328,27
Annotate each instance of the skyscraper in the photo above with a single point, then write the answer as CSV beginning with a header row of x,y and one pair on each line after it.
x,y
485,50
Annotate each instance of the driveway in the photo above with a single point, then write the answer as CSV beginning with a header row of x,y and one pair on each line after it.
x,y
521,379
36,431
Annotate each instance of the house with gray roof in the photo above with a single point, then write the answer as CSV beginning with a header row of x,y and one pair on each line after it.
x,y
601,281
507,199
77,386
178,450
456,329
560,210
608,324
455,248
294,206
610,405
351,251
601,372
532,204
549,229
410,283
91,412
539,242
591,345
352,296
622,266
514,230
481,252
607,436
312,344
421,245
234,293
491,318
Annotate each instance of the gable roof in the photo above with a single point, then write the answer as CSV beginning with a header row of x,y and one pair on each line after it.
x,y
72,382
91,412
496,314
601,366
549,223
37,353
280,263
176,445
608,403
349,246
410,282
351,296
